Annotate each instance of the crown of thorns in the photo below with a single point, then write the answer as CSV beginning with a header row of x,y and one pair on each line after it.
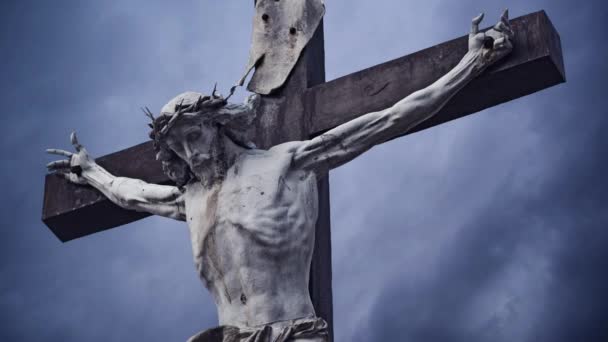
x,y
163,123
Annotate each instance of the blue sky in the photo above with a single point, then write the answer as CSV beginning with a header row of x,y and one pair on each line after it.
x,y
489,228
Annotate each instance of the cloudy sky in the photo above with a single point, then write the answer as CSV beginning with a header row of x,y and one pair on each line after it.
x,y
489,228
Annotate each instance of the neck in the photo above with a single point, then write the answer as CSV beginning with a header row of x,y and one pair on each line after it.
x,y
231,150
225,153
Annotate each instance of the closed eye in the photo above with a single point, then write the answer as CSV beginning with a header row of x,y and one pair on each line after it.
x,y
173,146
193,135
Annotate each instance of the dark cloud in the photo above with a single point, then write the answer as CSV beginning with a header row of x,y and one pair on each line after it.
x,y
517,265
562,224
490,228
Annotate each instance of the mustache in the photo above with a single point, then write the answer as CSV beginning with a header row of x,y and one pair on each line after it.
x,y
199,159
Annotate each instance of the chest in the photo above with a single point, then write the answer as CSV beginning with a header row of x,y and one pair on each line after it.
x,y
257,187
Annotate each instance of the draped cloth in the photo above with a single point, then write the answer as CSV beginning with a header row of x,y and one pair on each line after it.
x,y
312,329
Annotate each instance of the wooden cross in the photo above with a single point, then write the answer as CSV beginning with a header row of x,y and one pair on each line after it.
x,y
307,106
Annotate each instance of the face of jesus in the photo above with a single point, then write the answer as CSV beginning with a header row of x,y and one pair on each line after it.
x,y
195,141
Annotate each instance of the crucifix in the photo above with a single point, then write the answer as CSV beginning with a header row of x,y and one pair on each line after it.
x,y
199,170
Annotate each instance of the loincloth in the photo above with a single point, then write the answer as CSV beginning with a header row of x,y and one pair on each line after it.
x,y
311,329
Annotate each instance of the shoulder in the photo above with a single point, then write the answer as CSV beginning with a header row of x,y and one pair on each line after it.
x,y
281,155
287,148
288,151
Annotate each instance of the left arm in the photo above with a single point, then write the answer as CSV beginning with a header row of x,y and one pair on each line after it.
x,y
128,193
349,140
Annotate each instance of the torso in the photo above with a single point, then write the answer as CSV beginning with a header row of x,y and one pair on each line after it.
x,y
253,237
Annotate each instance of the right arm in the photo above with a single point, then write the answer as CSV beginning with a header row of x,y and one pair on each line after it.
x,y
128,193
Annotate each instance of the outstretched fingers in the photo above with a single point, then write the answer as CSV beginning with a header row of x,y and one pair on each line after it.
x,y
505,16
59,152
58,165
69,176
503,43
504,26
475,24
74,141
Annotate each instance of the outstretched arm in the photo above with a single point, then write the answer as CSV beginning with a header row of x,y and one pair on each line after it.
x,y
128,193
349,140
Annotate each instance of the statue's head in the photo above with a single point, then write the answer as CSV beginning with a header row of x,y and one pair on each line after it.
x,y
190,133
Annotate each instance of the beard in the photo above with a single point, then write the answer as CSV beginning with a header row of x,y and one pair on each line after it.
x,y
210,168
201,161
178,171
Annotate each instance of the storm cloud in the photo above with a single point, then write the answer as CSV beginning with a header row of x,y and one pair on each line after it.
x,y
488,228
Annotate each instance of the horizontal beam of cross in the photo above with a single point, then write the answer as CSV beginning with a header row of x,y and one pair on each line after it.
x,y
72,211
535,64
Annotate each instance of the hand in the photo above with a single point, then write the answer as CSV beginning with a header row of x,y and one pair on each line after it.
x,y
73,168
493,44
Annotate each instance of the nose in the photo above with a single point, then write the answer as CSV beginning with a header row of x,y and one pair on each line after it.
x,y
187,150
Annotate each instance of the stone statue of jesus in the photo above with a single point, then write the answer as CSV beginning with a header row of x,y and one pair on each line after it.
x,y
251,212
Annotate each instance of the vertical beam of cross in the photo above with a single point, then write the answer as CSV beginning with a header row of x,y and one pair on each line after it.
x,y
282,117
